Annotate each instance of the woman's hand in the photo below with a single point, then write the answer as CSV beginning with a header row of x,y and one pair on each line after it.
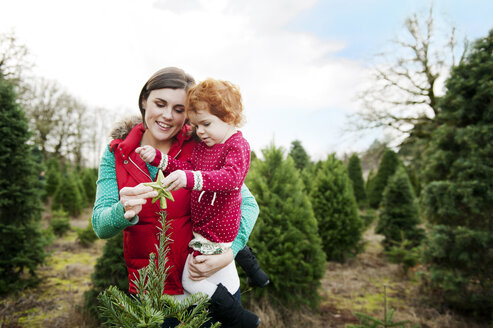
x,y
204,266
175,180
132,199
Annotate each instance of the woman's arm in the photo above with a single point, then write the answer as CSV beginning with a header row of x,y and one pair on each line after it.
x,y
249,215
108,213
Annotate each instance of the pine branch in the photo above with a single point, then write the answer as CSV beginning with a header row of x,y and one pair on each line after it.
x,y
150,307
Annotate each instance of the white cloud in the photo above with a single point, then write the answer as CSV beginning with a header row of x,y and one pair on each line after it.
x,y
104,51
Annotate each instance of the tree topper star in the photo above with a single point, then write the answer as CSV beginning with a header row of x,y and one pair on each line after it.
x,y
162,192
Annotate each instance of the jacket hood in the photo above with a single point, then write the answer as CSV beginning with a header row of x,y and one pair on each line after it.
x,y
122,128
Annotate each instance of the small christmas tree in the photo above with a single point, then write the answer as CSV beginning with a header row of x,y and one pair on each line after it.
x,y
386,169
356,175
53,176
150,307
398,216
299,155
89,178
336,211
285,236
67,196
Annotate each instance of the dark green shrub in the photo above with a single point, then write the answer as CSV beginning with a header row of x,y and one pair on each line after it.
x,y
336,211
60,223
299,155
386,169
53,176
67,196
460,260
86,237
356,175
89,178
285,236
398,218
405,254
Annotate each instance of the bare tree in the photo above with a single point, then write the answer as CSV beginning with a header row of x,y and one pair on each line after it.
x,y
57,120
15,61
408,79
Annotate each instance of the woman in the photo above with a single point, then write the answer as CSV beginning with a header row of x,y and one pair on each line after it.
x,y
122,199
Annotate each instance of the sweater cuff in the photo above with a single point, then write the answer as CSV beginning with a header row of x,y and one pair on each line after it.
x,y
157,158
194,180
120,222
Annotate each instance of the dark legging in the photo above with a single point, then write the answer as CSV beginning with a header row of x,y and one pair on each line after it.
x,y
173,322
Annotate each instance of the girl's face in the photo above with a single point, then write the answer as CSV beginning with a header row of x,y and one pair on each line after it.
x,y
164,114
210,128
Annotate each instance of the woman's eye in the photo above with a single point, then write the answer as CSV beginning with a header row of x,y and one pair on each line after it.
x,y
160,104
179,110
207,124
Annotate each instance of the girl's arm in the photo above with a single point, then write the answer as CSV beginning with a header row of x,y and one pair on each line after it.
x,y
108,213
229,177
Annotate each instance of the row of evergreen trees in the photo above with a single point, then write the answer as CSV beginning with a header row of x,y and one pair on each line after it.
x,y
23,189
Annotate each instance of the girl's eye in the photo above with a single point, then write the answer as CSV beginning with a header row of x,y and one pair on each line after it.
x,y
179,110
207,124
160,104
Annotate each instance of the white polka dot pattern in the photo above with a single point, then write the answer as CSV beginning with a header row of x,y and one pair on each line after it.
x,y
215,207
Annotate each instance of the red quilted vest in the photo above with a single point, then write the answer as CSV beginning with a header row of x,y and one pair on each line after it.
x,y
139,240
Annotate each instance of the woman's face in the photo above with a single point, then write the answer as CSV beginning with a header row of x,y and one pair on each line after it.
x,y
164,113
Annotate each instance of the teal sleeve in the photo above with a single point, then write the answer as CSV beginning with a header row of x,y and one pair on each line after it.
x,y
107,215
249,214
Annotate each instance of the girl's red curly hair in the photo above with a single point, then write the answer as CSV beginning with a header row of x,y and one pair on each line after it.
x,y
220,98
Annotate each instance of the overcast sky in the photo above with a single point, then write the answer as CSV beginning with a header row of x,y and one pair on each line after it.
x,y
298,63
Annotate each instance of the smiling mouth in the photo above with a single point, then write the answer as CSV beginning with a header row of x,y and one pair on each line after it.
x,y
163,125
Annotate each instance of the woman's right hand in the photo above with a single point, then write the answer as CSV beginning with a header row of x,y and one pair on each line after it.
x,y
132,199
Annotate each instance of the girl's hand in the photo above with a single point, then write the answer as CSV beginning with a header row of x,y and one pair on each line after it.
x,y
204,266
175,180
132,199
147,153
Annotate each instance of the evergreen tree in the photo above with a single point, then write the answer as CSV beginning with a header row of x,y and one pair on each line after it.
x,y
285,235
336,211
89,178
369,181
299,155
457,199
53,176
356,175
77,176
309,174
21,245
398,217
110,270
386,169
67,196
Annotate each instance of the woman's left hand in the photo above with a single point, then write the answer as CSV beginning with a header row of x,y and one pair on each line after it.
x,y
204,266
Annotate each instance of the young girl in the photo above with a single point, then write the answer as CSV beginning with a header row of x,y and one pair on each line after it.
x,y
215,173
